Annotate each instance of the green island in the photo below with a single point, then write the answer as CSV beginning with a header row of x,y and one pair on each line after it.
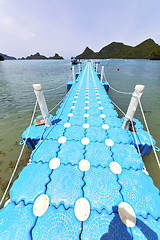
x,y
6,57
39,56
144,50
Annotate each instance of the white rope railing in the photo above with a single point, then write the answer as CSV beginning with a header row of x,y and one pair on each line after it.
x,y
131,120
58,103
60,85
19,158
42,133
118,107
145,121
128,93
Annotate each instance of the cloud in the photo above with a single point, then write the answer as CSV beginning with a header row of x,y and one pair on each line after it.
x,y
11,26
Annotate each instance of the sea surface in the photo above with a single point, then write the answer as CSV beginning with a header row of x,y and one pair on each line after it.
x,y
17,100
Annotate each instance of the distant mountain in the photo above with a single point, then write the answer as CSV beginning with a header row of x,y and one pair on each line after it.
x,y
39,56
6,57
1,58
36,56
56,56
114,50
87,54
120,50
155,54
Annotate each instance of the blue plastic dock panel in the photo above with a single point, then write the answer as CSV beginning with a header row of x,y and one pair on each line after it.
x,y
86,127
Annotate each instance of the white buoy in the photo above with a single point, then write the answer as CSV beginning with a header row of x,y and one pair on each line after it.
x,y
54,163
105,126
102,73
127,214
86,115
82,209
109,142
42,104
133,105
67,124
70,115
102,115
41,205
115,167
84,165
85,141
62,139
85,125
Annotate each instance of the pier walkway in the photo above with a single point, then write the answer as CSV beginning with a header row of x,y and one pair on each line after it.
x,y
85,179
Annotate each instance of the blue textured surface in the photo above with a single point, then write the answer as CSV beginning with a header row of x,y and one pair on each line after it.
x,y
36,176
71,152
65,186
16,222
98,154
127,156
45,151
138,190
105,227
103,189
57,224
119,135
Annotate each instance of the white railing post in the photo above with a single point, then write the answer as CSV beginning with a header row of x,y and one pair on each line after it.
x,y
73,74
102,73
42,104
133,105
79,65
96,67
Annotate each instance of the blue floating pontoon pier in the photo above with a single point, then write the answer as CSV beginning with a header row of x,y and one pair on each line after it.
x,y
86,179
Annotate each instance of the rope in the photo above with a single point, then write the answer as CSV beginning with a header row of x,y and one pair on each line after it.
x,y
42,133
19,155
58,103
59,86
145,121
118,107
137,141
129,93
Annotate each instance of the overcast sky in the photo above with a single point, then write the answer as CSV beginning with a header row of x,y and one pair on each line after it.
x,y
66,27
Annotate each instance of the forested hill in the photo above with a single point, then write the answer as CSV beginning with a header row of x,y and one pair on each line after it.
x,y
120,50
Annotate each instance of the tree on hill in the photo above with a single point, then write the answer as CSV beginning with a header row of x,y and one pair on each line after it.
x,y
155,54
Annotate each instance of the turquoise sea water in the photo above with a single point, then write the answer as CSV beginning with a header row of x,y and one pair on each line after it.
x,y
17,101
